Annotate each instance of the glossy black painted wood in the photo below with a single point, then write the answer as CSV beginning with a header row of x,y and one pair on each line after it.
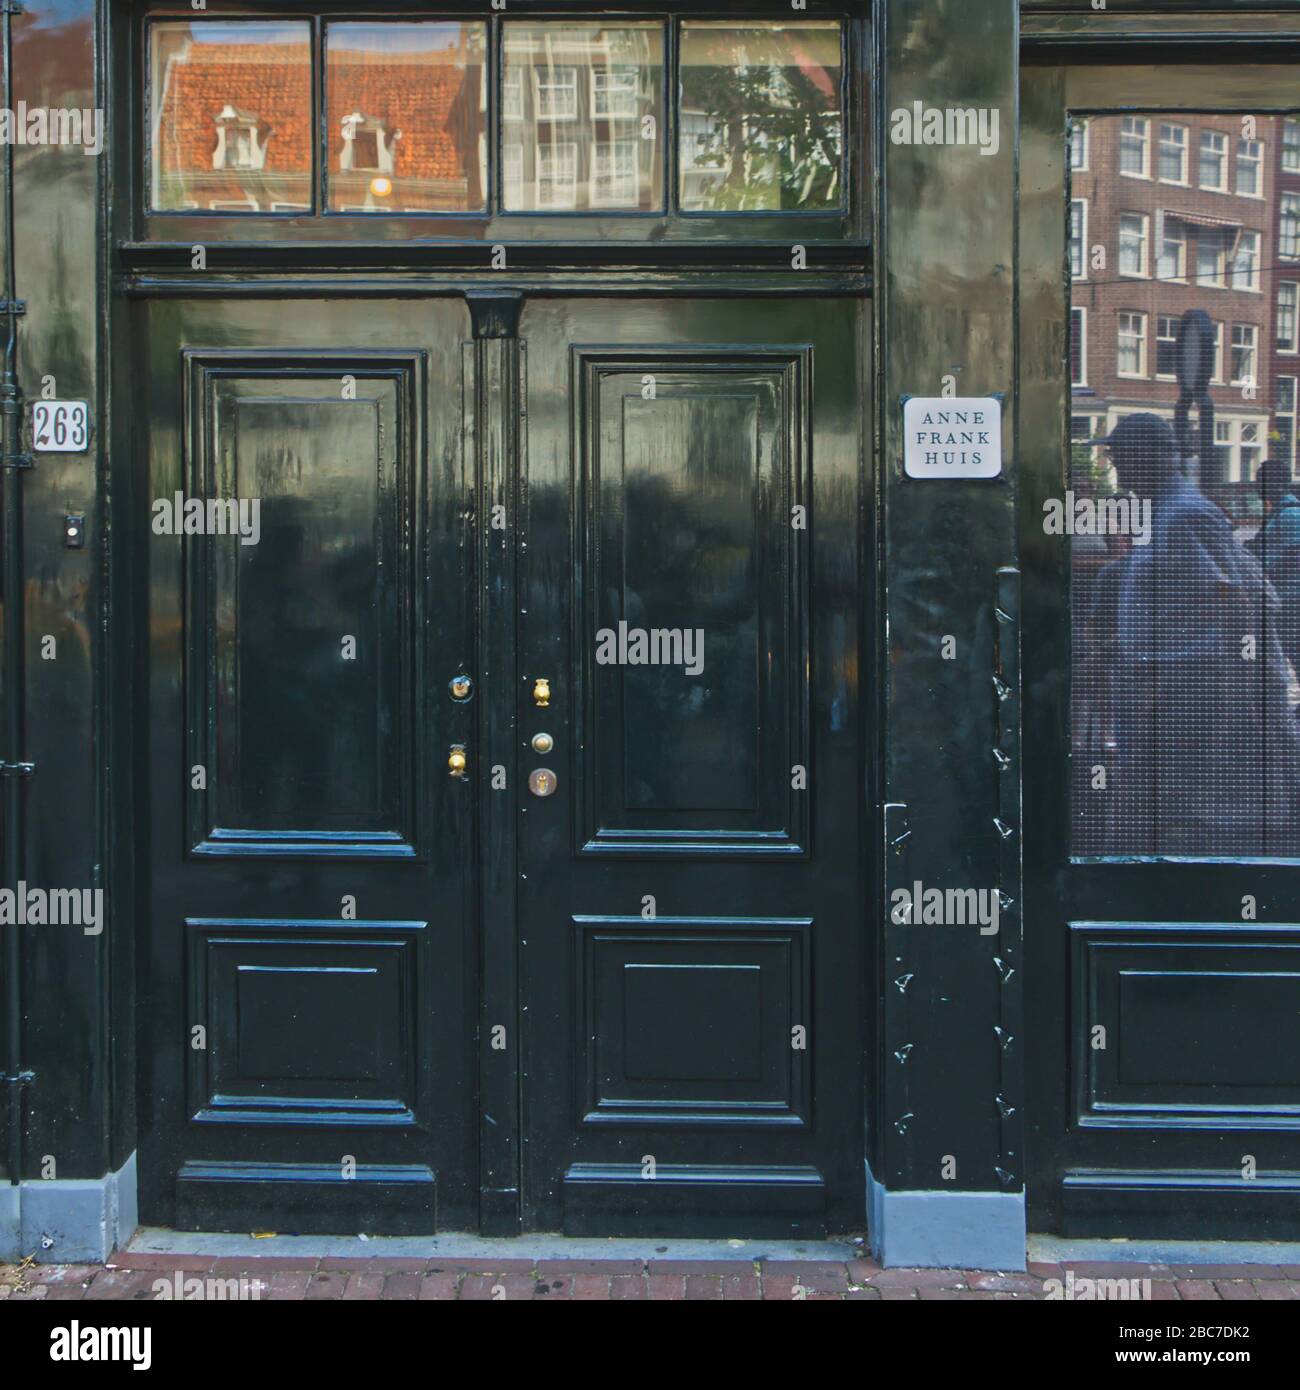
x,y
311,889
681,917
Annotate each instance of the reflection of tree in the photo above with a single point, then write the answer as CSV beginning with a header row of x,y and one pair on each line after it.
x,y
772,133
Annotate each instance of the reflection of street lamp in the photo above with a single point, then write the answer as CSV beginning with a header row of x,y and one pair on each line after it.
x,y
381,186
1194,366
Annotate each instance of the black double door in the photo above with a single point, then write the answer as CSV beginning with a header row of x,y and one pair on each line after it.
x,y
506,848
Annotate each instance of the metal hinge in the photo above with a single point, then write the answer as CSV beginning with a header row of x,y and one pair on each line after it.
x,y
12,306
11,7
24,1078
17,461
17,769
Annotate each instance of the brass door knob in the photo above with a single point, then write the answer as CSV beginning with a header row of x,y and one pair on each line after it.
x,y
542,692
456,760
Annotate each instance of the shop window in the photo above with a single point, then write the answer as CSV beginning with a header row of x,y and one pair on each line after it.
x,y
405,117
229,116
589,99
760,123
1185,670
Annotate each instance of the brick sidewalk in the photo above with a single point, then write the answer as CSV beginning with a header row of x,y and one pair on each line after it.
x,y
132,1276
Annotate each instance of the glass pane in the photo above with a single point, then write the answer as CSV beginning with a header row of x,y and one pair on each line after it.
x,y
407,117
761,129
1184,534
580,117
230,115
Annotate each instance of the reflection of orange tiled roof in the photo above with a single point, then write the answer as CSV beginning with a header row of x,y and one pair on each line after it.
x,y
269,81
423,97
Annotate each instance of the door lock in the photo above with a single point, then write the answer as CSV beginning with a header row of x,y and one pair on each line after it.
x,y
542,781
457,763
541,692
461,687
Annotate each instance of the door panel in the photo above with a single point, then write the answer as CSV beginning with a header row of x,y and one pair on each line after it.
x,y
691,925
311,980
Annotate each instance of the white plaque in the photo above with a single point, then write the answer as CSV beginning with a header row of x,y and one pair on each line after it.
x,y
952,437
60,427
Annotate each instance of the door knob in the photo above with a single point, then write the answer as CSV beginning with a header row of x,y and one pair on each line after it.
x,y
456,760
542,692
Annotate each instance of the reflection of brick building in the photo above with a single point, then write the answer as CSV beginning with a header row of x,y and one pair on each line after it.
x,y
232,122
1285,339
1171,213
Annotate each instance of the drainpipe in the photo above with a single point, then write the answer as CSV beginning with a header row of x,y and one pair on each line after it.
x,y
13,771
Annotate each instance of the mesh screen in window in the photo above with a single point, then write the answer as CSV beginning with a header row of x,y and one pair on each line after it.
x,y
1183,503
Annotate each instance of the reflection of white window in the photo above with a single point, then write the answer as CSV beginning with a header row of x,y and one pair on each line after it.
x,y
1132,243
1245,343
1079,238
1250,159
1245,262
557,175
365,146
1288,239
1134,143
512,95
1078,145
1171,257
613,92
1166,345
1078,347
613,172
237,141
1209,258
1291,145
1214,160
1131,358
1244,442
1285,421
512,157
1288,309
1172,157
557,93
1217,374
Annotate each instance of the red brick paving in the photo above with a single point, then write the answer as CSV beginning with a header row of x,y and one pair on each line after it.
x,y
131,1275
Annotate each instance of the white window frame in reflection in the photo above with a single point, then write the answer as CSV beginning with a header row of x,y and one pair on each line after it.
x,y
1291,144
543,108
1138,338
1245,262
1135,129
1213,145
601,108
1078,141
1079,238
1245,351
1134,230
1171,248
623,185
561,193
1288,312
1288,236
1166,144
1250,155
1081,338
1162,338
1211,239
512,93
1285,410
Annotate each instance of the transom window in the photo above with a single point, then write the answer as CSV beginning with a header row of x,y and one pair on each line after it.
x,y
402,121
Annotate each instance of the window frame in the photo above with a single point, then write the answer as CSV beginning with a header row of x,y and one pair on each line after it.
x,y
847,223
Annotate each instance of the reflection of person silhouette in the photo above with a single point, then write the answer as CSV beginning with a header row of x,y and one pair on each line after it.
x,y
1208,753
1278,549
